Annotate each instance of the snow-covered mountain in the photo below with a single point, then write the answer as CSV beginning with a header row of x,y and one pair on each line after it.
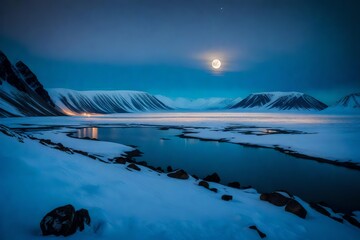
x,y
350,101
105,102
21,93
350,104
199,104
280,101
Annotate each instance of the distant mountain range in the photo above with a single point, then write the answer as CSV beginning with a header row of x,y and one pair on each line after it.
x,y
21,94
280,101
350,101
347,104
105,102
199,103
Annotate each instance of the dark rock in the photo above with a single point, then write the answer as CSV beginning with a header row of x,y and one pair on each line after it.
x,y
179,174
142,163
28,101
61,147
351,220
169,169
212,178
120,160
196,177
130,160
340,220
81,216
261,234
46,142
275,198
58,221
295,207
159,169
134,153
284,192
81,152
234,185
226,197
64,221
32,81
152,168
213,190
204,184
133,166
8,74
320,209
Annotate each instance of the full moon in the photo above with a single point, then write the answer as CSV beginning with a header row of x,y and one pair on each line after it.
x,y
216,64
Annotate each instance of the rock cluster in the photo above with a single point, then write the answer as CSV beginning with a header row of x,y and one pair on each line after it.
x,y
64,221
280,200
179,174
212,178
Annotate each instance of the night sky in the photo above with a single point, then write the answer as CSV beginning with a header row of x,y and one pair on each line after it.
x,y
166,47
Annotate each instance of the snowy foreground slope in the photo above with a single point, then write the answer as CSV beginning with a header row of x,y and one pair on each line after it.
x,y
280,101
126,204
199,104
104,102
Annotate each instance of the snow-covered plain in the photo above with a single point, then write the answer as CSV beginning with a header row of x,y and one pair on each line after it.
x,y
127,204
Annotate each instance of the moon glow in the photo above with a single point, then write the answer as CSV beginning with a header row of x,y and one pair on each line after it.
x,y
216,63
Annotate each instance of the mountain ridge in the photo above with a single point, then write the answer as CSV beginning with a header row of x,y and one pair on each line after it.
x,y
282,101
213,103
21,94
105,102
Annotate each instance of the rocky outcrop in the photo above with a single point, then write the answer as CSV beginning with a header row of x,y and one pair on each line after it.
x,y
8,74
320,209
17,97
179,174
275,198
226,197
351,220
212,178
133,166
295,207
280,200
64,221
32,81
204,184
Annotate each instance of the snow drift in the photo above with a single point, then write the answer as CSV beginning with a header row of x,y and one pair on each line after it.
x,y
280,101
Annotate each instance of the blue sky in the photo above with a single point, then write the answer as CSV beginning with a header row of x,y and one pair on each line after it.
x,y
165,47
